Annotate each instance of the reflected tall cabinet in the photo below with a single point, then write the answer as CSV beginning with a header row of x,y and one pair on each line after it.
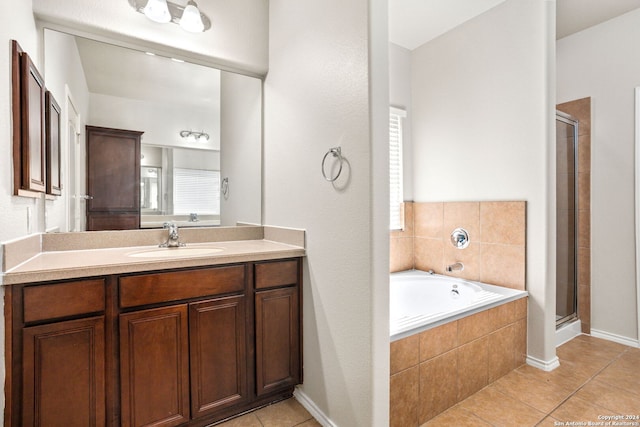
x,y
113,179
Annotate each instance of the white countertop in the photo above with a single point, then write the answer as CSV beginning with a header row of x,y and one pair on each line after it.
x,y
68,264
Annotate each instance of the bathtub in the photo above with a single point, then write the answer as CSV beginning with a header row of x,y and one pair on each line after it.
x,y
421,301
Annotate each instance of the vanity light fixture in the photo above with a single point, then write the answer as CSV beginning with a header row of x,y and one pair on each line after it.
x,y
189,17
191,136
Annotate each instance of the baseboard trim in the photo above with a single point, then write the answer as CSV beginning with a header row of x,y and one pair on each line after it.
x,y
313,409
568,332
615,338
545,365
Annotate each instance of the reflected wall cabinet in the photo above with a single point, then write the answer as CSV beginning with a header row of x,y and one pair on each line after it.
x,y
36,129
113,179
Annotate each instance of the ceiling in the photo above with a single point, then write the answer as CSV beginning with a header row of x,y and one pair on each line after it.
x,y
146,77
415,22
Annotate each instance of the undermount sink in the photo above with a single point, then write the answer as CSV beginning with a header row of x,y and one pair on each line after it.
x,y
181,252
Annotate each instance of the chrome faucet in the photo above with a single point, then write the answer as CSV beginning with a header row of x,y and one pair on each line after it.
x,y
173,241
458,266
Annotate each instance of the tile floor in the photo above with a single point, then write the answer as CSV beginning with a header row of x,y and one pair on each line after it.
x,y
595,378
288,413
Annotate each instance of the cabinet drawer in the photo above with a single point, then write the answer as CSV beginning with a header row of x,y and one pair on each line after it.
x,y
63,299
272,274
164,287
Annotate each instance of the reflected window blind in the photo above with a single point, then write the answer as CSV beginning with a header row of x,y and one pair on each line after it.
x,y
395,168
196,191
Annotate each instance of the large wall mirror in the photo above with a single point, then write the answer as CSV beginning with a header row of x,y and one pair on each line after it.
x,y
195,180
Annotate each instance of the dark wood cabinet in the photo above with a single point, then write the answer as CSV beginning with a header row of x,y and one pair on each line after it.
x,y
154,367
32,145
185,347
277,339
113,179
218,354
52,140
63,374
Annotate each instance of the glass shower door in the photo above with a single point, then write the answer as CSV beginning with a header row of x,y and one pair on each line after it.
x,y
566,218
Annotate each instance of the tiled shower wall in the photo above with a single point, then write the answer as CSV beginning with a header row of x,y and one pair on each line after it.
x,y
581,110
497,232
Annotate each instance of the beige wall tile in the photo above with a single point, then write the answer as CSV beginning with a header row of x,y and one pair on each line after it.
x,y
428,219
503,265
584,191
438,388
502,315
584,266
429,254
461,214
473,327
521,306
501,345
584,153
473,372
405,353
439,340
584,228
502,222
407,211
520,342
400,254
581,110
403,404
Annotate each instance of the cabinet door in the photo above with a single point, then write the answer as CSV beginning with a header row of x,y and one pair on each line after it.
x,y
113,179
154,367
277,339
218,354
63,374
33,125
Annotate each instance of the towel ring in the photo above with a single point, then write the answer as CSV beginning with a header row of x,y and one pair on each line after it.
x,y
337,152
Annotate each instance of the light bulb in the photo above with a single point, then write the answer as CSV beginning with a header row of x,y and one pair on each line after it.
x,y
191,138
203,138
191,20
158,11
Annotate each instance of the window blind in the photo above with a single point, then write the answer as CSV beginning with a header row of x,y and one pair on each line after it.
x,y
396,117
196,191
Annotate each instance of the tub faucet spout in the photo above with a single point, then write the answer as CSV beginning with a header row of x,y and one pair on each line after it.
x,y
458,266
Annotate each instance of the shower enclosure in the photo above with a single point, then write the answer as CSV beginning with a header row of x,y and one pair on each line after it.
x,y
566,218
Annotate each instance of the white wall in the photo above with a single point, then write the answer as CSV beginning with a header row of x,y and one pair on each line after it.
x,y
161,123
16,22
241,148
400,96
602,63
316,97
482,128
237,40
63,74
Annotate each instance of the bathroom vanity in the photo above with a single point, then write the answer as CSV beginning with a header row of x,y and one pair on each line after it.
x,y
160,341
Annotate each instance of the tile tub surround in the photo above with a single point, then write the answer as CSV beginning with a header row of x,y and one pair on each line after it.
x,y
435,369
497,232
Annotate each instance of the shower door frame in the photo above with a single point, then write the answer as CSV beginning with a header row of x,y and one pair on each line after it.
x,y
568,119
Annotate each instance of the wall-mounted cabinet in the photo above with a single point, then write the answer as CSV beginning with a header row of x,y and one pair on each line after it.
x,y
52,139
36,130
